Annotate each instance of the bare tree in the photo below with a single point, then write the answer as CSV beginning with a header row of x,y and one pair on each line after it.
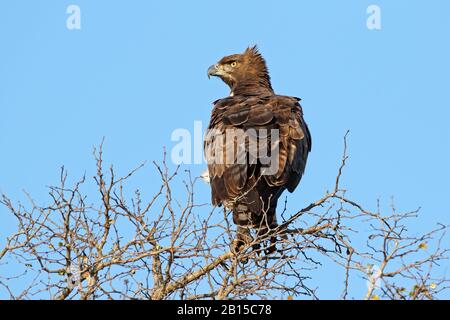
x,y
113,246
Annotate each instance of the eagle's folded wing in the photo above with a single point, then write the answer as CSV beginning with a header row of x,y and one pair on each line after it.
x,y
234,172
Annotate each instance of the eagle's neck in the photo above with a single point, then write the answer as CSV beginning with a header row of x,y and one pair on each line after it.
x,y
252,87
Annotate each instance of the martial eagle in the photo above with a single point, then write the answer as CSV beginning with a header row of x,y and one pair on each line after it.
x,y
251,185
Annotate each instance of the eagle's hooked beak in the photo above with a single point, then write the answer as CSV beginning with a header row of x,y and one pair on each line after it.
x,y
213,71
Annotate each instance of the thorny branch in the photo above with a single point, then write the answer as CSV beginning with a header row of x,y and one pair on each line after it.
x,y
162,247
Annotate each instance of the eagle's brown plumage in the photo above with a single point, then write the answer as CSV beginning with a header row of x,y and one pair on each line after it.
x,y
241,184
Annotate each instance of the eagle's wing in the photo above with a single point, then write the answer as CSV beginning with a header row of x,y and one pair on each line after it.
x,y
230,179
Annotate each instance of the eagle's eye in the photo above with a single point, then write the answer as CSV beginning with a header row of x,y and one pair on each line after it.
x,y
233,64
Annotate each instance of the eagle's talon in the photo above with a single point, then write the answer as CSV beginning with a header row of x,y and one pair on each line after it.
x,y
271,249
237,246
256,248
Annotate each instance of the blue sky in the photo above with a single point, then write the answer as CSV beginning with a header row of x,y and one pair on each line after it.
x,y
137,70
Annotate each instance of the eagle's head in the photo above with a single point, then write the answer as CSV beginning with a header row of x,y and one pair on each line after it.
x,y
243,73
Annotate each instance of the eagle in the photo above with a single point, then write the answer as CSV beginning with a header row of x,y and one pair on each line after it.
x,y
256,146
